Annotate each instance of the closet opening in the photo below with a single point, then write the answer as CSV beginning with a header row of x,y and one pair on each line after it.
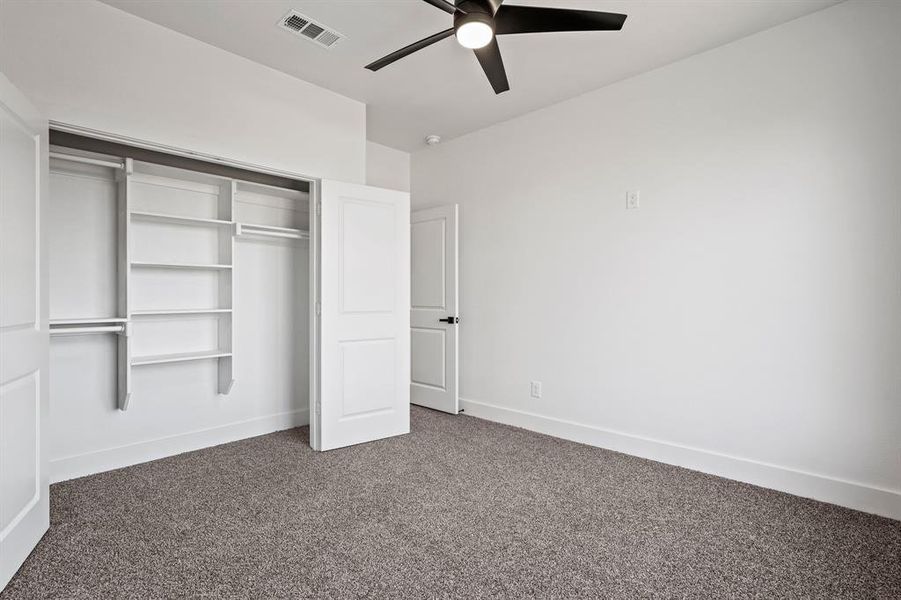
x,y
180,295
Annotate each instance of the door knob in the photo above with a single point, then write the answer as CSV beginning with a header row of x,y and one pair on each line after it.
x,y
451,320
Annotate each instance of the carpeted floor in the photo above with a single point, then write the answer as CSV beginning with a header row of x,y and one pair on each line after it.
x,y
460,508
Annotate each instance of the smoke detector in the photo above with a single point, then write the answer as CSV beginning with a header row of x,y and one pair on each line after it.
x,y
433,139
305,27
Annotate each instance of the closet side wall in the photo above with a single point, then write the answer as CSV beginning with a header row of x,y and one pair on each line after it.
x,y
88,64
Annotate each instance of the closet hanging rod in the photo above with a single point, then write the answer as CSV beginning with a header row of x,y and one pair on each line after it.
x,y
54,331
277,234
88,161
86,321
242,230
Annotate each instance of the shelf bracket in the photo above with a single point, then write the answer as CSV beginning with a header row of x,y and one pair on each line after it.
x,y
123,211
124,358
228,387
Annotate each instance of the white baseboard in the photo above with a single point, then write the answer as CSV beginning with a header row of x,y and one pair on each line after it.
x,y
850,494
70,467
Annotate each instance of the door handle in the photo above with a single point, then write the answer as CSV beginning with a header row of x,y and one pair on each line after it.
x,y
451,320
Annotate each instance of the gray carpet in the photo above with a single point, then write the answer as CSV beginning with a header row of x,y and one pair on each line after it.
x,y
460,508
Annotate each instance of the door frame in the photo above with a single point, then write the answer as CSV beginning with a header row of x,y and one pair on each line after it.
x,y
315,400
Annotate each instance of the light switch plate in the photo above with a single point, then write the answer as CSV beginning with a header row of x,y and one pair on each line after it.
x,y
632,199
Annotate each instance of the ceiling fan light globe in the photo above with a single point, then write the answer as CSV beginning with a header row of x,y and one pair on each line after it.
x,y
474,34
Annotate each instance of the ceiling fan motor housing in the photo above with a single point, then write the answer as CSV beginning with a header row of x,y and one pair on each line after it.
x,y
478,6
473,17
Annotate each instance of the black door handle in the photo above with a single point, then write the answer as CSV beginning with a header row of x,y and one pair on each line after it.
x,y
451,320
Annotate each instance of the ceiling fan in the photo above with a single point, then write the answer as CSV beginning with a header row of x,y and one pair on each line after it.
x,y
477,22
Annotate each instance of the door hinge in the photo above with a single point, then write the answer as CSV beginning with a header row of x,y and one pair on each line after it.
x,y
318,309
318,208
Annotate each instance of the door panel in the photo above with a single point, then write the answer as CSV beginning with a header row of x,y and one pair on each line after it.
x,y
429,239
428,350
19,421
367,262
24,340
434,381
364,330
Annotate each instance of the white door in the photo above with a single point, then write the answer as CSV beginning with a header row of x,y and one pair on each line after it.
x,y
24,340
364,327
433,312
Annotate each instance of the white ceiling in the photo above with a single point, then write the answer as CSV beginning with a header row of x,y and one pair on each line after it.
x,y
442,89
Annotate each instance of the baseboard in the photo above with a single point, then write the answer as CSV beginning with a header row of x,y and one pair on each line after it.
x,y
70,467
849,494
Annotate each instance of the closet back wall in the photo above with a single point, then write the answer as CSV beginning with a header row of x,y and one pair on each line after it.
x,y
86,63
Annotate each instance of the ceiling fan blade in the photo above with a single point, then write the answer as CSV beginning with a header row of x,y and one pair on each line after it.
x,y
537,19
444,5
493,65
406,51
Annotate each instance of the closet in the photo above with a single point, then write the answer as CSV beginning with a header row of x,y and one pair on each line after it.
x,y
176,295
195,301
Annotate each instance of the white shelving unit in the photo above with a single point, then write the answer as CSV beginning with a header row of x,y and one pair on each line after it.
x,y
155,205
223,226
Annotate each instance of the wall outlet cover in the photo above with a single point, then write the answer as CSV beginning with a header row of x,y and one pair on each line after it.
x,y
535,389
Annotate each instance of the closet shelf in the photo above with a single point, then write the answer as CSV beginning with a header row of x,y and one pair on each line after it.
x,y
160,265
164,218
161,359
180,311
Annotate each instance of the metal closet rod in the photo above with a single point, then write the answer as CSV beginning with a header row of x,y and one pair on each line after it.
x,y
87,160
246,230
87,329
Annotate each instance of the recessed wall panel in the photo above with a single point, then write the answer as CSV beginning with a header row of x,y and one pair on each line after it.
x,y
428,241
428,365
19,418
18,203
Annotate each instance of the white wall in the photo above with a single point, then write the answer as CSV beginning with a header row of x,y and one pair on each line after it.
x,y
88,64
746,320
387,167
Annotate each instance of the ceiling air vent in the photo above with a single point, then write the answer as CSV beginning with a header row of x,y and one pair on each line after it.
x,y
304,26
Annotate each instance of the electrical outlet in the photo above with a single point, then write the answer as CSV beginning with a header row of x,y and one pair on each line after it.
x,y
632,199
536,389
